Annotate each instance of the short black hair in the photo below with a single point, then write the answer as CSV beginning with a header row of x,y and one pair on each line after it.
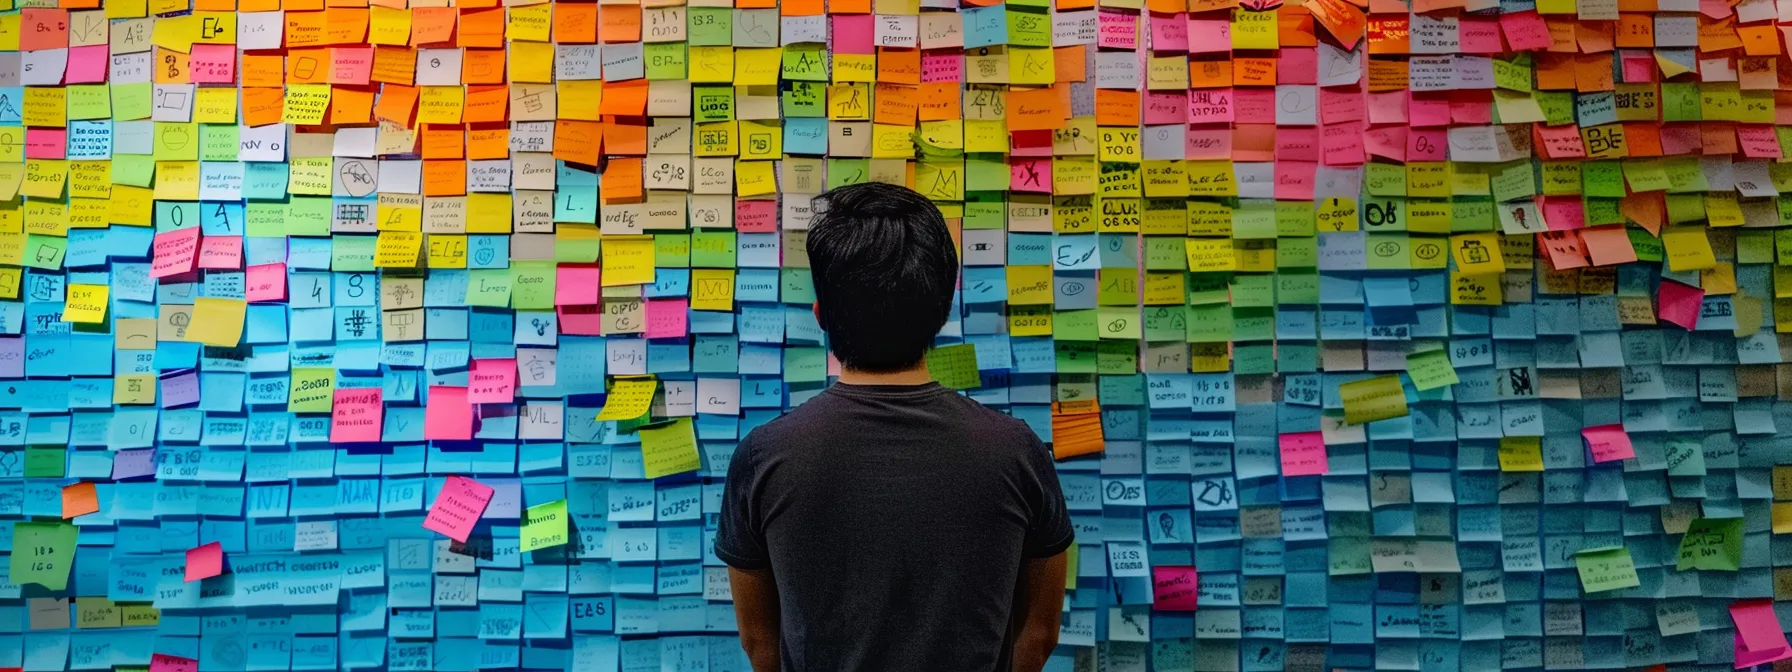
x,y
884,266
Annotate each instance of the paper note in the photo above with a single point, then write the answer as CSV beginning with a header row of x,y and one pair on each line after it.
x,y
1521,453
1174,588
356,415
629,399
448,416
955,366
205,561
669,449
544,526
1759,636
1711,543
1608,443
1431,370
43,554
79,499
1303,453
458,507
1368,400
1076,433
1606,569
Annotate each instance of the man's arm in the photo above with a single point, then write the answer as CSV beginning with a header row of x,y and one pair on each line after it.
x,y
756,613
1038,605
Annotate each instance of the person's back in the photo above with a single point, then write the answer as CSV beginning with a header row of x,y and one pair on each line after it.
x,y
889,523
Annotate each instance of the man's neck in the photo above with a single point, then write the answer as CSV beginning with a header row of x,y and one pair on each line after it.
x,y
914,375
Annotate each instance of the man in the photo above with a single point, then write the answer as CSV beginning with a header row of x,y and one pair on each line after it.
x,y
889,523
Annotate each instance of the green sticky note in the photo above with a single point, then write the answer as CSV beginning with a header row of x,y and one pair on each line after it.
x,y
804,99
219,142
545,526
138,170
1603,569
309,216
1254,290
1253,359
1648,248
1513,75
1385,179
665,60
532,285
805,63
842,172
1254,219
1075,325
90,101
797,286
1117,358
1685,458
1711,543
669,449
578,249
671,250
263,220
489,287
1119,322
1604,179
131,101
1513,180
1210,323
1122,390
45,462
955,366
45,252
1680,101
713,103
711,26
712,249
1430,369
1558,107
805,365
43,553
1076,357
1165,323
352,253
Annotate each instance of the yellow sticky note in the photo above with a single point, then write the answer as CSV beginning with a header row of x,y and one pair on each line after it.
x,y
757,66
86,304
1521,453
398,249
306,103
629,398
44,178
544,526
627,260
217,322
1255,30
1211,254
754,178
1478,253
1378,398
439,104
1782,517
1687,248
389,26
669,449
712,289
1029,285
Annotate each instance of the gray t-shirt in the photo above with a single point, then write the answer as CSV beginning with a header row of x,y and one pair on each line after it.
x,y
895,520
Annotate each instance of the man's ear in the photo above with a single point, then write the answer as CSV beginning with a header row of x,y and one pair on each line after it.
x,y
816,308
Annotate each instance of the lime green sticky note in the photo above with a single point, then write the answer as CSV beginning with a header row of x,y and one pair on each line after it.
x,y
311,216
955,366
671,250
1430,369
532,285
805,365
352,254
489,287
1603,179
665,60
45,252
1603,569
89,101
711,26
544,526
713,103
805,63
219,142
1076,357
1711,543
1075,325
313,390
43,553
45,461
134,170
131,101
669,449
804,99
712,249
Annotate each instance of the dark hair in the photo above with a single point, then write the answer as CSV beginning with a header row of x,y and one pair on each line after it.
x,y
884,267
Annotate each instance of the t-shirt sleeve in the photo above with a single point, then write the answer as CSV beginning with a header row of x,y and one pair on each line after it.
x,y
1049,531
740,537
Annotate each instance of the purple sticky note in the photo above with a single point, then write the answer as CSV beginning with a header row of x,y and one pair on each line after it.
x,y
507,499
12,357
180,388
133,464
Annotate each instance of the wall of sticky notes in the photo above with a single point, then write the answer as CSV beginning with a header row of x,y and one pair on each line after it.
x,y
370,335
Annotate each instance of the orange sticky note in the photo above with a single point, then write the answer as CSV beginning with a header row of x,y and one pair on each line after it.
x,y
575,23
1076,434
620,23
483,28
485,103
432,25
79,499
1034,110
626,98
897,104
622,180
444,178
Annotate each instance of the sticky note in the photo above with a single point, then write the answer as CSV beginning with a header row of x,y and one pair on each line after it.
x,y
205,561
1368,400
1174,588
1606,569
629,398
669,449
1711,543
458,507
43,554
955,366
544,526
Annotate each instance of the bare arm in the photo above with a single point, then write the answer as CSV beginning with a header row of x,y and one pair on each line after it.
x,y
756,612
1038,606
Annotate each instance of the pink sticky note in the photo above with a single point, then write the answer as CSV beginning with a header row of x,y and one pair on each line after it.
x,y
1387,142
942,65
1563,249
576,285
756,216
668,318
1563,213
87,65
1030,175
458,508
46,143
1561,142
1166,107
1387,107
1471,107
1608,443
581,320
853,34
1478,34
492,381
1209,35
266,282
350,65
175,252
221,252
179,388
1608,245
357,415
1210,106
1428,109
1426,144
1303,454
162,662
1758,141
1174,588
1169,32
1118,30
1298,66
1341,105
133,464
1759,636
447,415
1679,304
1294,180
212,64
205,561
1254,104
1207,143
1342,145
1297,143
1525,31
